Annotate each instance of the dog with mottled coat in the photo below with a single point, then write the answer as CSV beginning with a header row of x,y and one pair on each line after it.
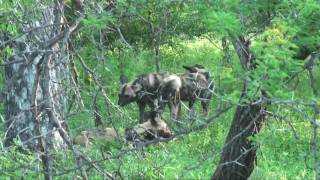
x,y
152,89
197,84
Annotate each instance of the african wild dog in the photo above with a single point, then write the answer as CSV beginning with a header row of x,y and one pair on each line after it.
x,y
148,88
153,127
196,84
87,137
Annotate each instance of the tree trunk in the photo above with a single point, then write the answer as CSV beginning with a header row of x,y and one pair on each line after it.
x,y
157,58
27,121
239,154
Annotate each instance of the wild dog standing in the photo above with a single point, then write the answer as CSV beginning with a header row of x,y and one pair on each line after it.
x,y
146,89
153,127
197,84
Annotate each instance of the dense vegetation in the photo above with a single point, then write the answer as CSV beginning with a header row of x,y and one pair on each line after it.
x,y
135,37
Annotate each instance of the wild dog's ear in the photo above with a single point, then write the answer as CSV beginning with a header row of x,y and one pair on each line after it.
x,y
136,87
123,79
190,68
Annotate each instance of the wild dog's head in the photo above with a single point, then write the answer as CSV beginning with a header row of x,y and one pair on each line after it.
x,y
153,116
128,92
154,127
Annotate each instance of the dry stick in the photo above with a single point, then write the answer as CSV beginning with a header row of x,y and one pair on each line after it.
x,y
43,145
98,168
75,81
18,116
22,67
96,80
27,32
34,137
48,133
122,37
52,118
107,100
97,116
315,140
49,103
76,96
283,118
65,34
25,167
33,51
227,143
225,163
305,116
310,61
288,102
104,94
246,151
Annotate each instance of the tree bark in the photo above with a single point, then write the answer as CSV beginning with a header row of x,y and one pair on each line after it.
x,y
226,53
157,58
239,153
27,123
36,82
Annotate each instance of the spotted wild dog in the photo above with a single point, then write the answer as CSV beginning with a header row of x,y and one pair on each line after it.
x,y
85,138
197,84
152,89
152,128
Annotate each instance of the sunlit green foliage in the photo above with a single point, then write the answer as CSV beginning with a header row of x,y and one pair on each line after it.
x,y
192,32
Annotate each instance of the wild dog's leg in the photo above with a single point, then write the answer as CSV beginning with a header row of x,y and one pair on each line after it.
x,y
175,110
191,103
206,97
205,105
179,111
142,107
160,104
174,105
154,107
174,113
161,100
170,108
172,116
178,104
191,114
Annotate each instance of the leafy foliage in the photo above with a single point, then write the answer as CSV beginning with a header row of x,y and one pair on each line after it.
x,y
122,41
